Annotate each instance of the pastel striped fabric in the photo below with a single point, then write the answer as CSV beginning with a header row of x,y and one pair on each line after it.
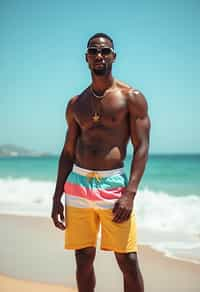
x,y
90,192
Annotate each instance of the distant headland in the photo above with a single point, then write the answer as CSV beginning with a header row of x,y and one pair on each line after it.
x,y
10,150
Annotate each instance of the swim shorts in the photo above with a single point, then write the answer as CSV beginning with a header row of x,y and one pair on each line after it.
x,y
89,199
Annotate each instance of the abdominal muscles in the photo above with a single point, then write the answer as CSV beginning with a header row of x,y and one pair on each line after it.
x,y
101,150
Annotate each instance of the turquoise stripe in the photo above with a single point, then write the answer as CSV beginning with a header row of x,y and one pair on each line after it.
x,y
115,181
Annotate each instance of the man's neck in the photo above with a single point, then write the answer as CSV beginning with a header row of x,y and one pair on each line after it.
x,y
101,83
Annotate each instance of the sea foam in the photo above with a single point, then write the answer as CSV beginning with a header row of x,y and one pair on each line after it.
x,y
155,210
165,222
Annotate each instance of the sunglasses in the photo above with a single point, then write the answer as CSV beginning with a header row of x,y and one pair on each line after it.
x,y
105,51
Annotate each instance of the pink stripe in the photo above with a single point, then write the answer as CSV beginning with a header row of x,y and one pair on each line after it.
x,y
93,195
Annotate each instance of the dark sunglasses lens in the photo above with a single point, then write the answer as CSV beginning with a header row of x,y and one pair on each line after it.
x,y
92,51
106,51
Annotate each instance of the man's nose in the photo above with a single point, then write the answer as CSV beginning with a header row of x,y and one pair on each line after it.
x,y
99,55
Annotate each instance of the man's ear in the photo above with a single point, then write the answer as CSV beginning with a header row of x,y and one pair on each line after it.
x,y
86,58
114,56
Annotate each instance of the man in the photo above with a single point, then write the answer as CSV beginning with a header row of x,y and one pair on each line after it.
x,y
100,122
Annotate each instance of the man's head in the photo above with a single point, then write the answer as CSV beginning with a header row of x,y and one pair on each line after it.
x,y
100,54
100,35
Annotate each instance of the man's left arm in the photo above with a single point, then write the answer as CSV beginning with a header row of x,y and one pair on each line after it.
x,y
139,131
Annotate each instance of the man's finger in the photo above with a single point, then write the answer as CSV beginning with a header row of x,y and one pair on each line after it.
x,y
124,216
56,222
60,225
114,210
118,215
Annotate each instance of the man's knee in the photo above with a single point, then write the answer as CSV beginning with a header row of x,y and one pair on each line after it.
x,y
85,257
128,262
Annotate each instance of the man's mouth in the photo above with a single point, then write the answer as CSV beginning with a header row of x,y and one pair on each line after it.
x,y
99,65
99,68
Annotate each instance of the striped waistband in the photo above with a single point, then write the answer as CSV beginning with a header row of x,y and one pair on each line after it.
x,y
96,173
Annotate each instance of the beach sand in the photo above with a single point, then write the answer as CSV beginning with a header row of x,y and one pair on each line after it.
x,y
10,284
32,258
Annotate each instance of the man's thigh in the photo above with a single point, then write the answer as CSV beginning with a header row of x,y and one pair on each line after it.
x,y
82,225
118,237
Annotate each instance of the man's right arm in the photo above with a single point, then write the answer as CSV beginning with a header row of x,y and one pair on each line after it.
x,y
65,164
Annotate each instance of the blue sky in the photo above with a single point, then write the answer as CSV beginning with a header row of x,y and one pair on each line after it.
x,y
42,46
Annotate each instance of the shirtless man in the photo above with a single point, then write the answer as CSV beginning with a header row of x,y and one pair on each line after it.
x,y
100,122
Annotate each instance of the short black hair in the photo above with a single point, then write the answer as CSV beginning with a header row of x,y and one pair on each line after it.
x,y
98,35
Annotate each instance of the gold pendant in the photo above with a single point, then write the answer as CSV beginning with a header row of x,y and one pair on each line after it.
x,y
96,117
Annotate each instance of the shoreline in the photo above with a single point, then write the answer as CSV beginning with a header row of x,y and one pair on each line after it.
x,y
32,250
143,234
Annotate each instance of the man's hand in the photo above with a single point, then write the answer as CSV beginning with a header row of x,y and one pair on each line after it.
x,y
57,214
123,207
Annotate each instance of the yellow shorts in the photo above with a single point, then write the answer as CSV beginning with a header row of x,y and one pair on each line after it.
x,y
90,197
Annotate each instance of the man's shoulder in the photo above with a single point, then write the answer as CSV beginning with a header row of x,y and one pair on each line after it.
x,y
122,85
77,98
76,101
73,100
136,101
127,89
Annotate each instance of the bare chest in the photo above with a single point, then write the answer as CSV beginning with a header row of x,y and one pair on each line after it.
x,y
108,111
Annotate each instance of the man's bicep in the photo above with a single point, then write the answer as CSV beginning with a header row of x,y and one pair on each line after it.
x,y
140,128
139,119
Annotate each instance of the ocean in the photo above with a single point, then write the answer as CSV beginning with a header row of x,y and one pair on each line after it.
x,y
167,204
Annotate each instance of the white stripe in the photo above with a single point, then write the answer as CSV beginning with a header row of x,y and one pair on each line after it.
x,y
78,202
106,204
102,173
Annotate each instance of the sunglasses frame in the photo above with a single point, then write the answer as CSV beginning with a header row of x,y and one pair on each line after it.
x,y
99,50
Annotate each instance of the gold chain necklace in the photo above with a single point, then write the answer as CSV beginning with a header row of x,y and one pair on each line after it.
x,y
96,114
95,95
